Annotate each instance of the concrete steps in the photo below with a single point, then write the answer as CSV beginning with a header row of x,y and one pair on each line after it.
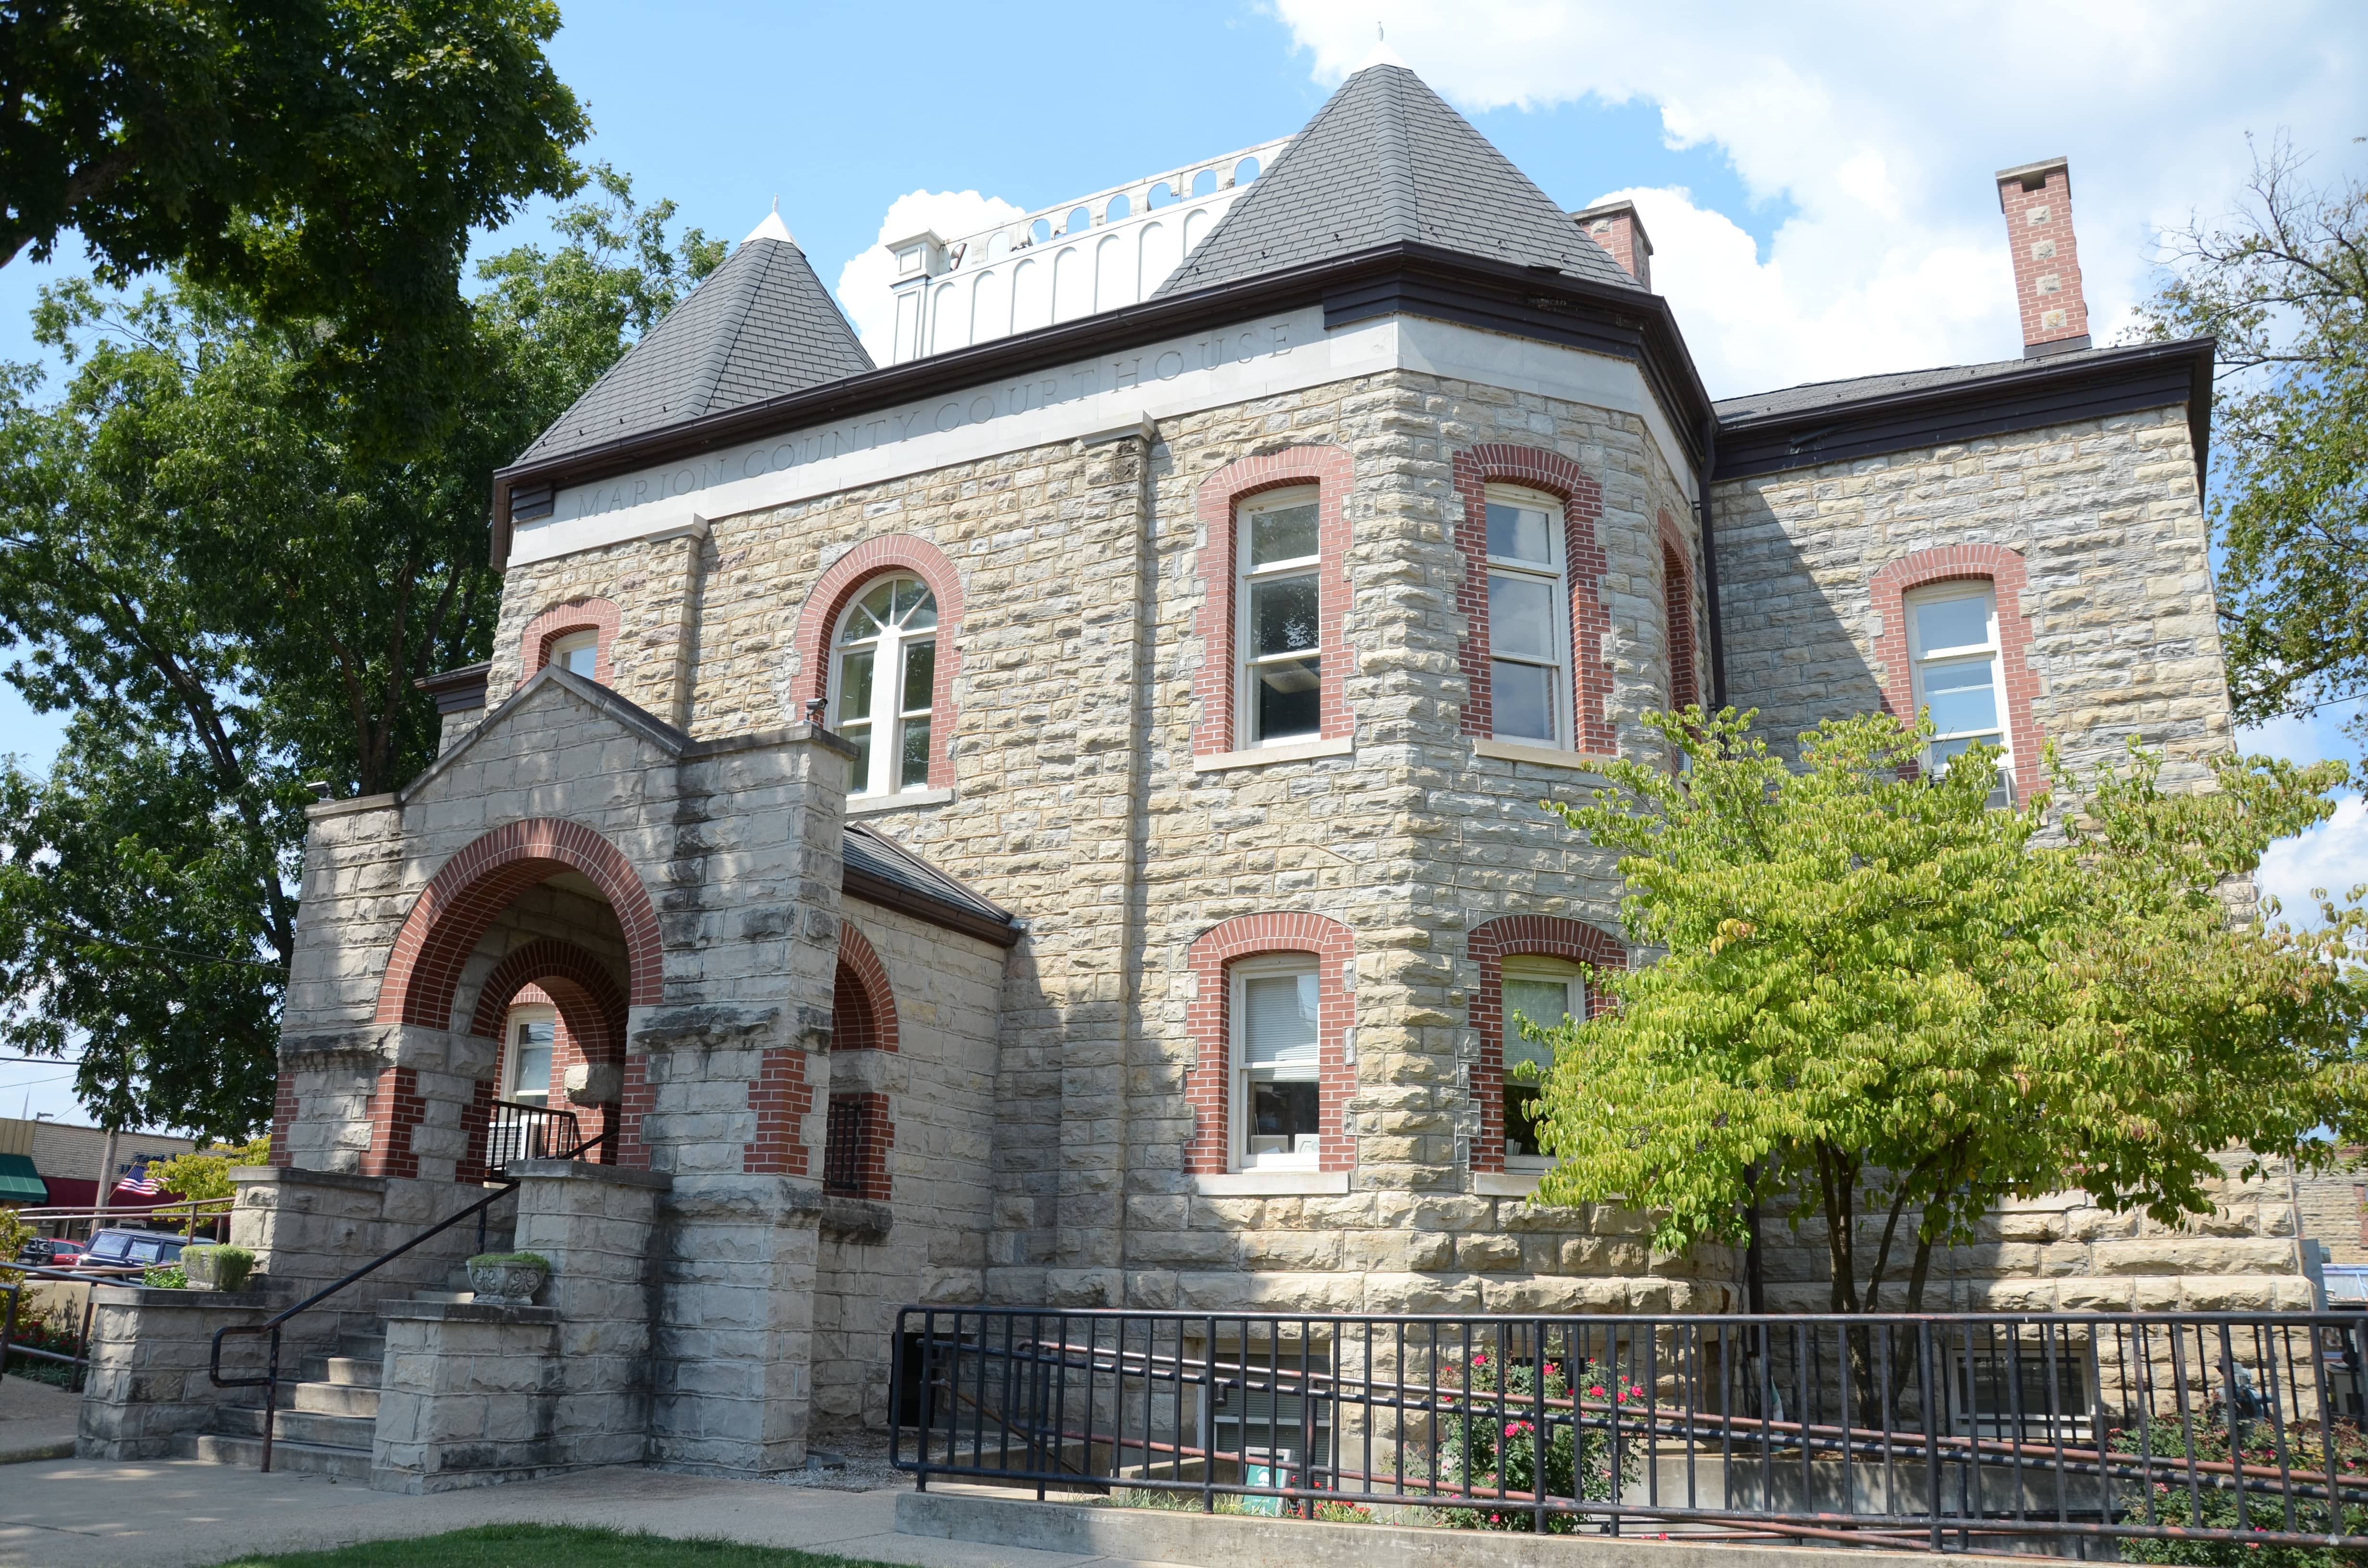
x,y
324,1423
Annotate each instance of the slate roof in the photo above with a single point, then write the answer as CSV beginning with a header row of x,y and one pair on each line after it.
x,y
876,855
1815,395
1386,162
758,327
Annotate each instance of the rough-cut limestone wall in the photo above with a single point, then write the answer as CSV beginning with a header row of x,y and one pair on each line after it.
x,y
2106,516
2334,1210
940,1086
2062,1253
1408,842
654,584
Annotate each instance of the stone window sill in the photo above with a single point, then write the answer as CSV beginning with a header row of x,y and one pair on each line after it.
x,y
871,805
1540,756
1272,1184
1261,756
1504,1184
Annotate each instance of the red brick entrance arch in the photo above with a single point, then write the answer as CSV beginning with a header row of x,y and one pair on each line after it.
x,y
591,1010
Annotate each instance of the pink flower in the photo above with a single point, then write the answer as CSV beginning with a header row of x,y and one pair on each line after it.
x,y
1595,1390
1515,1428
1479,1360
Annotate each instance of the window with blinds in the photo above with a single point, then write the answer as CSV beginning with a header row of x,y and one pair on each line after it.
x,y
1277,1100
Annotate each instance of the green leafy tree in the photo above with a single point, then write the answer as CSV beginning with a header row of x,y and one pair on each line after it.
x,y
324,160
234,594
2284,285
1883,1008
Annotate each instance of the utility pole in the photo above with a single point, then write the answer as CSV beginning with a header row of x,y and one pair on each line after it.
x,y
105,1175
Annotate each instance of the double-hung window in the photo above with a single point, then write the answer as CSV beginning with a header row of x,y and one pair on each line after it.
x,y
1277,1100
1529,618
1953,634
1542,992
1278,628
883,675
579,653
533,1033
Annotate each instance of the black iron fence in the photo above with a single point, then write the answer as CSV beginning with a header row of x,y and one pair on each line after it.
x,y
2132,1437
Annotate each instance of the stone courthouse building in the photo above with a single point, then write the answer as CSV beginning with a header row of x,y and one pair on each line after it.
x,y
1054,818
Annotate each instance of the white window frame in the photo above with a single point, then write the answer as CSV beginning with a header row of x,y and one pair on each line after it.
x,y
1920,659
1246,662
1242,1074
1554,572
1535,967
576,643
888,717
513,1059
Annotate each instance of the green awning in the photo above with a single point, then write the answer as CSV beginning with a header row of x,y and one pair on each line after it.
x,y
20,1183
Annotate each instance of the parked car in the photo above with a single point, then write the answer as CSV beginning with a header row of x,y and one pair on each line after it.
x,y
48,1252
138,1249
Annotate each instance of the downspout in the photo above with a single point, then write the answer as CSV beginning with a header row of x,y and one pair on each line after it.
x,y
1710,560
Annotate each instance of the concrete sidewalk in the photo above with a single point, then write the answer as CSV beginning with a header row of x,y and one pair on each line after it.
x,y
37,1422
185,1514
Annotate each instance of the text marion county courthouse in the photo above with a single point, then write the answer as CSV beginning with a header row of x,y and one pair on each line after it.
x,y
1053,819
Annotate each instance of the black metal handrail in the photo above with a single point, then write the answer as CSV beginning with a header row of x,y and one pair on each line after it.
x,y
270,1381
1937,1432
97,1274
522,1130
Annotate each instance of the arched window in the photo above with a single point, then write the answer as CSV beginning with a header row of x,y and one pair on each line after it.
x,y
1281,639
1041,230
579,653
1119,207
1953,650
1162,195
1528,608
1245,171
999,246
883,673
1205,183
1079,220
1544,991
1278,1094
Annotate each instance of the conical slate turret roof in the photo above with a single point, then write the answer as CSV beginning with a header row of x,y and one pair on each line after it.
x,y
758,327
1386,162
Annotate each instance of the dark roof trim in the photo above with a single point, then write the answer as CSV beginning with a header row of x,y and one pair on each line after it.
x,y
2024,397
457,691
859,883
1551,306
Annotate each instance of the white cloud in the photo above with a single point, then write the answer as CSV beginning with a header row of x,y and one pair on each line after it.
x,y
1882,125
863,281
2332,856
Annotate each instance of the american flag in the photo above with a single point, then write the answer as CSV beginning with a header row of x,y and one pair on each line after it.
x,y
139,1182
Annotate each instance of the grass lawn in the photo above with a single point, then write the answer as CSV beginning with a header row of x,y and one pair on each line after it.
x,y
549,1546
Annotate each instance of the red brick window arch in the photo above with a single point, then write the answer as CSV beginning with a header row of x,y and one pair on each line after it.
x,y
1269,1023
1955,640
879,643
1678,617
1273,621
580,635
1534,949
1505,560
856,1130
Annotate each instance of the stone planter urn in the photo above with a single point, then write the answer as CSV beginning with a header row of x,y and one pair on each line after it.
x,y
216,1268
508,1279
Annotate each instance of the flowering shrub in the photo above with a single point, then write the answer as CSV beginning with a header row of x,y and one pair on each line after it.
x,y
60,1330
2305,1456
1483,1451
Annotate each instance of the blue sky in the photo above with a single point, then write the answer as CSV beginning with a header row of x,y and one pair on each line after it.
x,y
1816,177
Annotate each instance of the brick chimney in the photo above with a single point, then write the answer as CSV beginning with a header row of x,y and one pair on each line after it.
x,y
1615,227
2037,201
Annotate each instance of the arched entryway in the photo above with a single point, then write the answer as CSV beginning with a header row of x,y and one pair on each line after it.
x,y
543,907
